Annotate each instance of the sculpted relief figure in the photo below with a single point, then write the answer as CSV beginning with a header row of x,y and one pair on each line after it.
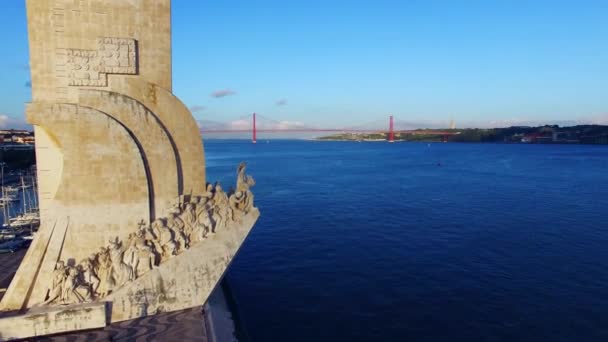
x,y
238,203
209,193
204,223
243,181
72,284
221,209
88,277
69,285
59,275
130,253
164,239
188,217
188,222
144,258
177,227
104,272
76,289
241,201
121,272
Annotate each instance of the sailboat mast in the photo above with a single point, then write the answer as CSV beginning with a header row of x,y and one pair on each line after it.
x,y
23,196
4,204
29,199
35,191
4,199
31,196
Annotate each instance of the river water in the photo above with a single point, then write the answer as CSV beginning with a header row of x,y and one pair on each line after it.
x,y
428,242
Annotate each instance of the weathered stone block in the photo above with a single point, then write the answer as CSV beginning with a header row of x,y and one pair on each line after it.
x,y
52,320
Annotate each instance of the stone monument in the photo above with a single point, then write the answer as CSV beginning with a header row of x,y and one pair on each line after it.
x,y
129,225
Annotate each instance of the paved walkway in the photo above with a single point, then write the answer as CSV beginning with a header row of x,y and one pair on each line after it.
x,y
9,262
186,325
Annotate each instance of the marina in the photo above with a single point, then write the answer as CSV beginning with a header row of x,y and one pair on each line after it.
x,y
20,213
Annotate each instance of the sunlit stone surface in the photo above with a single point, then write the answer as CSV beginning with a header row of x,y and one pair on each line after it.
x,y
127,217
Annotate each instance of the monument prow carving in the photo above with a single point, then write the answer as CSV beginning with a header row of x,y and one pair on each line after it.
x,y
129,225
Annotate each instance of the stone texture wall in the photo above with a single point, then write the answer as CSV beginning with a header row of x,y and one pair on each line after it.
x,y
114,146
57,26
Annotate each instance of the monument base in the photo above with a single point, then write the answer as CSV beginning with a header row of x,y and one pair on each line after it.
x,y
52,320
184,281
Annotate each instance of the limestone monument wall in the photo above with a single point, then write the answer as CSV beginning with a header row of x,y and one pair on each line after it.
x,y
121,167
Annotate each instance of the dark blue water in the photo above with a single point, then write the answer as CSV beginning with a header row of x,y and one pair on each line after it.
x,y
409,241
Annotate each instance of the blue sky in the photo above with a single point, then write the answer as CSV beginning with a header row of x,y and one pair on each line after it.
x,y
344,63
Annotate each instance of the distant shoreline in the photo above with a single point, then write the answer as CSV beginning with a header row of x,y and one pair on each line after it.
x,y
452,142
581,134
396,141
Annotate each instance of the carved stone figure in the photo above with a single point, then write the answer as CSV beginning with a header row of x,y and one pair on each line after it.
x,y
221,209
235,201
59,275
104,273
177,226
69,285
164,238
174,222
121,272
145,258
240,203
182,239
189,219
248,202
209,192
93,260
74,289
176,208
129,257
88,276
203,204
145,232
243,181
203,219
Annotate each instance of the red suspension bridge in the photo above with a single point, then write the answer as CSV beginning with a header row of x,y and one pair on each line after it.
x,y
251,124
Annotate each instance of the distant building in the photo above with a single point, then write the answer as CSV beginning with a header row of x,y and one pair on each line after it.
x,y
14,131
16,136
596,139
530,138
543,139
24,139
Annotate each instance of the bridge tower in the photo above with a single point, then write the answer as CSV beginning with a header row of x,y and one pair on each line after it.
x,y
254,140
391,130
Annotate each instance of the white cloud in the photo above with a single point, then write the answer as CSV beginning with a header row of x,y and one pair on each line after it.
x,y
600,119
8,122
240,124
247,124
197,108
287,125
223,93
4,119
